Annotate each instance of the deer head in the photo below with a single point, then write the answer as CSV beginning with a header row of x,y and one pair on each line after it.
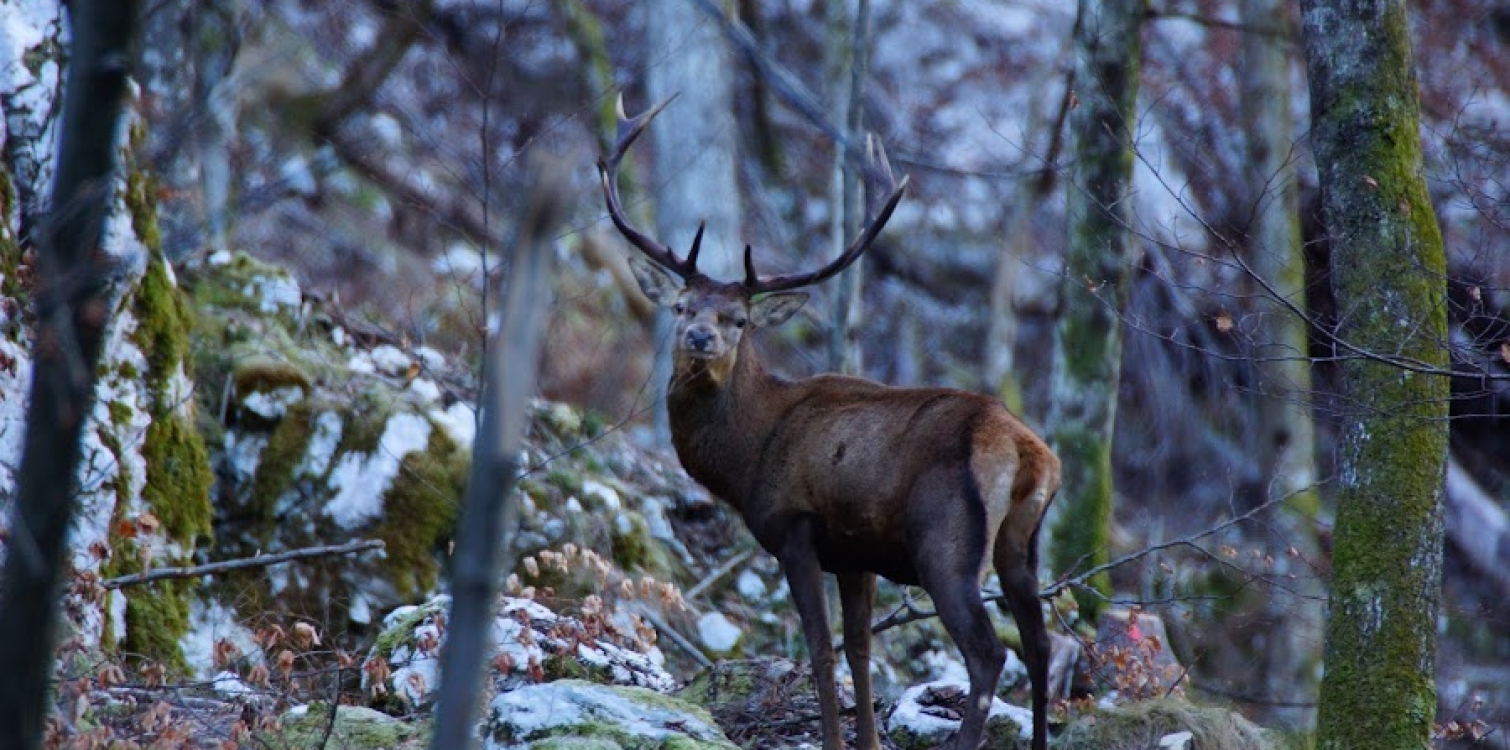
x,y
712,317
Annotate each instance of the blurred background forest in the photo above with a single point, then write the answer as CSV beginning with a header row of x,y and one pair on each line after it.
x,y
377,149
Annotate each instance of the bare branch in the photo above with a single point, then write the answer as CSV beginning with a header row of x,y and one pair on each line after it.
x,y
260,561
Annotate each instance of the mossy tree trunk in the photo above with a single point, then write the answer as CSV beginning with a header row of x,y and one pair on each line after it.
x,y
1388,275
1286,434
75,303
1088,339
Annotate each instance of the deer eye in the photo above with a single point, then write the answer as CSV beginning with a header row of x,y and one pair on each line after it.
x,y
678,308
740,322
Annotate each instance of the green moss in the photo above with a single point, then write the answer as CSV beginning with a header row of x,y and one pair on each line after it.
x,y
163,321
1081,531
365,423
282,457
355,727
419,513
178,478
10,249
261,373
568,481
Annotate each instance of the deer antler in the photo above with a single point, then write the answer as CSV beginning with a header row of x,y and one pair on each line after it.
x,y
878,176
608,170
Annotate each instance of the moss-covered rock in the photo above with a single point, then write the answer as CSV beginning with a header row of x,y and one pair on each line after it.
x,y
1138,726
569,713
355,727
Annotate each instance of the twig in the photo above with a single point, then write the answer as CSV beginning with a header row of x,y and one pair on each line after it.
x,y
677,638
723,570
260,561
912,614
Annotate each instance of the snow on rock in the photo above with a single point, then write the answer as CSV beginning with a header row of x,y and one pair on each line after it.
x,y
360,479
390,359
530,642
718,633
459,420
922,719
211,622
605,494
750,586
575,708
272,404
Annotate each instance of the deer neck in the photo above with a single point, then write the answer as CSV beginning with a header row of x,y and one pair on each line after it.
x,y
719,418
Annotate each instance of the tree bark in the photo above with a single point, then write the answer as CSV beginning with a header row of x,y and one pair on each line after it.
x,y
847,63
1388,275
483,531
695,151
73,309
1094,294
1286,435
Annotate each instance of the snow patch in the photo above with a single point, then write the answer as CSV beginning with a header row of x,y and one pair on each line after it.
x,y
322,444
425,389
604,494
459,421
273,404
361,479
913,716
750,585
390,359
718,633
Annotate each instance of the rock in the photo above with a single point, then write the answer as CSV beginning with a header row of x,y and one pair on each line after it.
x,y
531,644
1148,724
719,635
355,727
928,714
580,714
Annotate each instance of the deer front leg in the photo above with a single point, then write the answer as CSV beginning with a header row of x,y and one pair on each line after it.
x,y
857,592
799,559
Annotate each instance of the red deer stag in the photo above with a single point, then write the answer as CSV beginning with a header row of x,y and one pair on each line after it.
x,y
849,476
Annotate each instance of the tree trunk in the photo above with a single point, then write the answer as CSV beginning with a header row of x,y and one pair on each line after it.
x,y
695,151
846,69
1388,275
74,306
1088,340
1286,436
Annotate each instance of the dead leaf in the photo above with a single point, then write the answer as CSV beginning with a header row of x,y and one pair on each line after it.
x,y
1223,322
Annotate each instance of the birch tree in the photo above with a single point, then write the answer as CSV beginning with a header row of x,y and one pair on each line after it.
x,y
1286,440
695,148
1388,275
1094,294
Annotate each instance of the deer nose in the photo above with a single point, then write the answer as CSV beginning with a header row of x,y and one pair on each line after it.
x,y
699,339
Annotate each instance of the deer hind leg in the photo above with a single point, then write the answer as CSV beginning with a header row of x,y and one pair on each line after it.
x,y
949,529
857,592
799,558
1016,561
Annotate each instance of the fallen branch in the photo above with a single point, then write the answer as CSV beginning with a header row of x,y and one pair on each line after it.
x,y
260,561
723,570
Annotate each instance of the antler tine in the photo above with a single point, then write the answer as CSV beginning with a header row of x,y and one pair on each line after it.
x,y
751,280
629,129
697,244
878,169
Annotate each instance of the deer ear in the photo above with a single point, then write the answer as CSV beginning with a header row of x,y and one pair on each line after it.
x,y
774,309
657,285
